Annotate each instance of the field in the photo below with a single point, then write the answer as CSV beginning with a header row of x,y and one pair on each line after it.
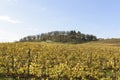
x,y
56,61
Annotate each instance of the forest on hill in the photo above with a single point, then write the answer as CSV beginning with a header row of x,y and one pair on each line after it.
x,y
60,36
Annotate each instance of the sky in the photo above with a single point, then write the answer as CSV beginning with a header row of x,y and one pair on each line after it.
x,y
20,18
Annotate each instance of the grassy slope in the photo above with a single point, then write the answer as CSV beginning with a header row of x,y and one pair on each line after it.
x,y
106,42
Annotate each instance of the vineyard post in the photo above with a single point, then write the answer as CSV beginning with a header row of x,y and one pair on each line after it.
x,y
100,64
28,70
37,58
8,67
90,61
114,77
12,57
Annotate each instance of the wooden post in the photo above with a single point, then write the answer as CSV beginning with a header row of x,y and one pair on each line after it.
x,y
115,77
12,57
28,61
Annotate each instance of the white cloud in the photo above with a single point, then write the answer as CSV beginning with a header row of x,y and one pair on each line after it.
x,y
7,36
11,0
9,19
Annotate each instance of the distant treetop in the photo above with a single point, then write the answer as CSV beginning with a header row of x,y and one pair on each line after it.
x,y
60,36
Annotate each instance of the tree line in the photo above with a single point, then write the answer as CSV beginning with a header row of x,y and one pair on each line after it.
x,y
60,36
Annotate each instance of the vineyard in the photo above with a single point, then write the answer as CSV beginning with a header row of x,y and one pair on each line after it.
x,y
55,61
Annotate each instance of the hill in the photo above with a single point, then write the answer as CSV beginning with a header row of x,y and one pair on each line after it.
x,y
112,41
60,36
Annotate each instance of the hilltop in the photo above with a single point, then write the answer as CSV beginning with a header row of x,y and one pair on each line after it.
x,y
60,36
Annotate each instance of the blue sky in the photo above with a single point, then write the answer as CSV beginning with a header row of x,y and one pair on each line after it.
x,y
19,18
